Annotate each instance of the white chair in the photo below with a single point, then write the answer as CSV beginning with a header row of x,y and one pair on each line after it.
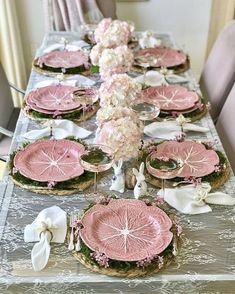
x,y
218,74
225,127
8,115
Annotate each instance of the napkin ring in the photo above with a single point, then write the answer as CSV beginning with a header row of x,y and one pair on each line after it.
x,y
47,230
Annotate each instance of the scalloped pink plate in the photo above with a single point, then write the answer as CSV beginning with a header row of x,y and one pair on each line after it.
x,y
64,59
35,107
50,160
126,229
172,97
54,97
160,57
197,160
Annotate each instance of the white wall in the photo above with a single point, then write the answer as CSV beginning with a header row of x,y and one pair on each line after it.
x,y
187,19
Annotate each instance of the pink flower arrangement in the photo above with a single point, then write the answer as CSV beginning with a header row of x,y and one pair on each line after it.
x,y
124,135
113,113
113,33
96,53
117,60
119,90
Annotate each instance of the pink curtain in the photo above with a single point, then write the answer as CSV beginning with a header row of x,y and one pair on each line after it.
x,y
68,15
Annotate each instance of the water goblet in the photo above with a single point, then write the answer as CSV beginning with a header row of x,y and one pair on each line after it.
x,y
85,97
97,158
146,111
163,167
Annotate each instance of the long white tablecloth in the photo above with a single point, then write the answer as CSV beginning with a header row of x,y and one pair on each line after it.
x,y
206,263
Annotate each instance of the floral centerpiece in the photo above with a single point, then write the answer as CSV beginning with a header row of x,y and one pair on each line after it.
x,y
96,53
119,90
117,60
113,33
124,135
113,113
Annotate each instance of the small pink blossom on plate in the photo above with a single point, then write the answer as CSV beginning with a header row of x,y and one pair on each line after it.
x,y
51,184
160,262
193,180
146,261
101,258
180,137
159,200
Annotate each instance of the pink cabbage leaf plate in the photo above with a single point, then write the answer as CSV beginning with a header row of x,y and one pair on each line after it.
x,y
160,57
172,97
54,97
126,229
197,160
64,59
50,160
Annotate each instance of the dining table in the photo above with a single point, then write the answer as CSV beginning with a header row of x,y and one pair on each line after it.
x,y
205,263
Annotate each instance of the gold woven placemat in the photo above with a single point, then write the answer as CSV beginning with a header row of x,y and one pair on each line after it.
x,y
75,188
87,115
46,72
177,69
132,273
193,117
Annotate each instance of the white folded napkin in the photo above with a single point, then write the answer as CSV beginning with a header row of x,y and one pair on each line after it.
x,y
49,226
72,46
51,82
152,78
148,40
170,129
194,200
60,129
76,80
155,78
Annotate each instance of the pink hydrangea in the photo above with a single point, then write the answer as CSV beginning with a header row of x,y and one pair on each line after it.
x,y
96,53
122,134
105,114
119,90
113,33
117,60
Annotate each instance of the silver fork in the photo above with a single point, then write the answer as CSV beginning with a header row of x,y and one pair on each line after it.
x,y
71,224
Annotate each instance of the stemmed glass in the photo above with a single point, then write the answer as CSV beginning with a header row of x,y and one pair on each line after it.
x,y
85,99
97,158
146,111
163,167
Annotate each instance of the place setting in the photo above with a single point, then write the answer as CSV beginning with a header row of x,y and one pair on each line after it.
x,y
61,101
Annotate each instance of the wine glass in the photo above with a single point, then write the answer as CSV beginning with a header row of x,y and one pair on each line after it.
x,y
97,158
85,97
163,167
146,111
